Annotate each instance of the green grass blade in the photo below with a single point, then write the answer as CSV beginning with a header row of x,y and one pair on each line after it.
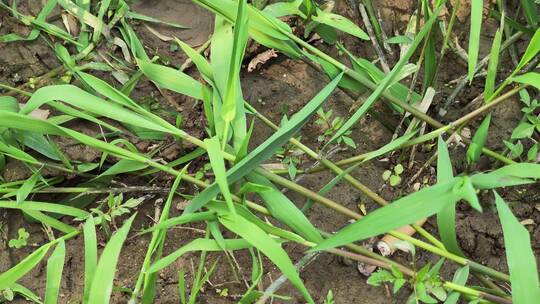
x,y
446,218
91,103
181,220
243,212
478,141
233,96
269,247
532,49
200,62
44,207
531,78
27,187
519,255
182,286
50,221
171,79
326,188
26,293
267,148
263,28
55,268
460,277
12,275
102,283
341,23
391,146
90,255
385,83
530,8
197,245
281,9
218,167
137,16
285,211
492,66
477,7
402,212
155,248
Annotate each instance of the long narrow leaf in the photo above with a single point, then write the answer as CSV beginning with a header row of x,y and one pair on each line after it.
x,y
102,283
404,211
90,255
520,257
218,166
477,8
259,239
285,211
197,245
446,218
55,267
267,148
385,83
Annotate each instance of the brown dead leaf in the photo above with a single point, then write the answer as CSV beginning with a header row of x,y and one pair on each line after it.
x,y
261,59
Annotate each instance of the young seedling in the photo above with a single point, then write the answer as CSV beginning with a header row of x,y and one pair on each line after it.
x,y
330,125
21,240
393,177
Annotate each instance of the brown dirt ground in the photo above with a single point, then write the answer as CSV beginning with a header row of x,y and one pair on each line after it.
x,y
281,85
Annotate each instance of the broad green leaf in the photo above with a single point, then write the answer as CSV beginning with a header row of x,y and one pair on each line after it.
x,y
284,8
12,275
478,141
285,211
341,23
446,218
523,130
102,283
90,255
388,79
197,245
519,255
269,247
402,212
171,79
267,148
492,66
477,8
531,78
218,167
55,267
